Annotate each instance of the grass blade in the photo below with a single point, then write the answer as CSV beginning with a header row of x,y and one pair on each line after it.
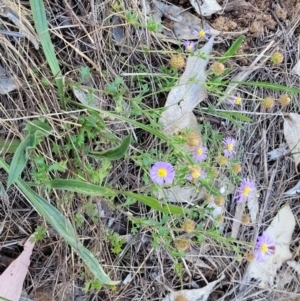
x,y
19,160
269,86
36,130
81,187
63,226
114,153
90,189
232,50
41,26
155,204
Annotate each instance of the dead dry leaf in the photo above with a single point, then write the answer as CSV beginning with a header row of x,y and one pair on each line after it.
x,y
192,255
12,11
178,194
11,280
253,206
281,229
180,24
200,294
7,83
295,265
188,92
294,190
279,152
296,69
206,7
291,130
237,219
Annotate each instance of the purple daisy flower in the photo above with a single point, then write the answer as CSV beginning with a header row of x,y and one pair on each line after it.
x,y
202,33
162,173
265,245
195,173
246,190
189,46
200,153
229,145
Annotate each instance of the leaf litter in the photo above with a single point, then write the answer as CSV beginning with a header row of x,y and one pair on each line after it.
x,y
281,229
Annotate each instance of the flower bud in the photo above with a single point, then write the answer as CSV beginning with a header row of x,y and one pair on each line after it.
x,y
236,168
177,61
246,219
268,103
218,68
193,139
284,100
277,58
188,226
219,201
182,244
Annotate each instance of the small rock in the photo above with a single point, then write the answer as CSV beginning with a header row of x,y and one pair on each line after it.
x,y
280,13
256,27
224,24
269,22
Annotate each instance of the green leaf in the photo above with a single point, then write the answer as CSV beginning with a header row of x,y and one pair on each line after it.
x,y
240,116
36,131
19,160
228,115
155,204
81,187
269,86
114,153
232,50
64,228
4,299
41,26
38,125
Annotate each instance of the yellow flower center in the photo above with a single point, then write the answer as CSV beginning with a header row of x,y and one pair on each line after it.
x,y
264,248
162,173
201,33
189,47
238,100
230,147
246,191
195,174
200,151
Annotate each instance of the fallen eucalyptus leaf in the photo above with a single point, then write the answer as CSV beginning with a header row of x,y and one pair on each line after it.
x,y
279,152
188,92
216,210
178,194
11,280
181,23
281,229
237,219
7,83
206,7
118,30
295,265
15,13
200,294
253,206
296,68
192,255
294,190
291,130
